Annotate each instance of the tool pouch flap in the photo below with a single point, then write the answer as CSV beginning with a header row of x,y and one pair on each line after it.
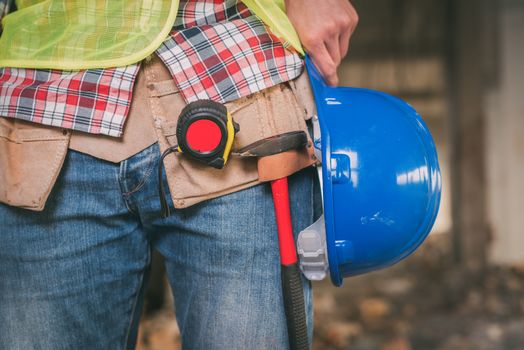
x,y
31,158
261,115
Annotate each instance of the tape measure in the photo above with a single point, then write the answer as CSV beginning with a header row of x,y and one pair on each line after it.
x,y
205,132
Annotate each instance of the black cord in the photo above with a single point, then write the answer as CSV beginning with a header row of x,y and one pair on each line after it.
x,y
164,206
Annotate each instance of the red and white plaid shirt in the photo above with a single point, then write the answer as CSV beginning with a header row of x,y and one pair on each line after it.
x,y
217,50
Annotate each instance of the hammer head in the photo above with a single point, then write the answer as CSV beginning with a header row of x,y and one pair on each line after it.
x,y
275,144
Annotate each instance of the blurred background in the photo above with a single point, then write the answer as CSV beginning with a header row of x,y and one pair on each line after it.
x,y
460,63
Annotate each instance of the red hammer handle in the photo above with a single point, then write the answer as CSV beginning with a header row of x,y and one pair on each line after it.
x,y
292,290
286,240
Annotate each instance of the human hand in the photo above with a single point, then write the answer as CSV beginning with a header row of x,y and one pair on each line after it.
x,y
324,28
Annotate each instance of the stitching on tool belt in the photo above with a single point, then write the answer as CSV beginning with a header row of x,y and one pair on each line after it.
x,y
160,117
7,133
270,113
303,95
19,136
260,119
298,117
162,88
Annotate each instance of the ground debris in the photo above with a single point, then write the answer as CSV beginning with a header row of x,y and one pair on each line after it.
x,y
373,310
426,303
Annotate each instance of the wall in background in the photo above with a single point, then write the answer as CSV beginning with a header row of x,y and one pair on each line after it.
x,y
505,140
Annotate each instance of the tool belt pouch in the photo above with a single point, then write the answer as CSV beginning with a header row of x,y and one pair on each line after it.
x,y
264,114
31,157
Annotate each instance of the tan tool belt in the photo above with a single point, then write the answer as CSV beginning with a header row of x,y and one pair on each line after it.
x,y
31,155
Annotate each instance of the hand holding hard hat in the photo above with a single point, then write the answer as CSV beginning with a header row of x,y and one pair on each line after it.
x,y
380,180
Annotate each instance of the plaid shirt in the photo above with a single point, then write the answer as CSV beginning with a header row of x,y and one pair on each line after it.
x,y
217,50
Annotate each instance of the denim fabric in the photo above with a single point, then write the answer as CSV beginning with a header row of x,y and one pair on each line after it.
x,y
73,276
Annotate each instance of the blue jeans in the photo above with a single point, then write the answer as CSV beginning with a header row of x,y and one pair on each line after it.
x,y
73,276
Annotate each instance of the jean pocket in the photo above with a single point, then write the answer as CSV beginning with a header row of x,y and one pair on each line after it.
x,y
31,157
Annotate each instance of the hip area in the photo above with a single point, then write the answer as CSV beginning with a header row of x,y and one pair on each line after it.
x,y
32,155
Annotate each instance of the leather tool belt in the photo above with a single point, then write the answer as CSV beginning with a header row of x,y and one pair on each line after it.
x,y
31,155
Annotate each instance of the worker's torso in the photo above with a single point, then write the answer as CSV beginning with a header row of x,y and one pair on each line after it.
x,y
218,50
74,34
98,101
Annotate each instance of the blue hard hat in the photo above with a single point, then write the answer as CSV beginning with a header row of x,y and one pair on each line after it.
x,y
380,177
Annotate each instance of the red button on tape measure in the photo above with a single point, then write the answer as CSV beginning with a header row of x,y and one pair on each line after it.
x,y
203,136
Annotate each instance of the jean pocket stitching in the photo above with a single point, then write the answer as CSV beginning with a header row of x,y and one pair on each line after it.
x,y
143,179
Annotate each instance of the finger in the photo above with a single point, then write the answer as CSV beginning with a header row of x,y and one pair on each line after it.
x,y
354,20
344,43
333,47
349,29
323,61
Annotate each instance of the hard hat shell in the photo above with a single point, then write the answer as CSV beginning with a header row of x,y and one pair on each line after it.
x,y
380,174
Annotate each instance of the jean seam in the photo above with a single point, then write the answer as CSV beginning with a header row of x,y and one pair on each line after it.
x,y
123,187
135,302
143,180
